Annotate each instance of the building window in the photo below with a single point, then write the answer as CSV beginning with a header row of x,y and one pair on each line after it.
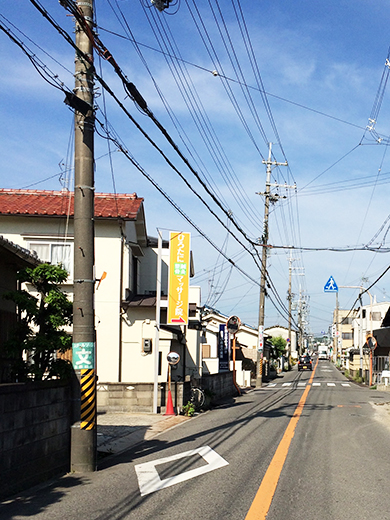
x,y
347,335
55,253
206,351
376,316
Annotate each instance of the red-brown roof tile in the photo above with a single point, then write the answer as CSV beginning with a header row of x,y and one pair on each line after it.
x,y
60,203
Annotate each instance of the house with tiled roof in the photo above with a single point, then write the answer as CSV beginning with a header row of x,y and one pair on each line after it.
x,y
125,298
42,221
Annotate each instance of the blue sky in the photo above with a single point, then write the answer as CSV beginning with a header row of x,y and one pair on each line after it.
x,y
320,64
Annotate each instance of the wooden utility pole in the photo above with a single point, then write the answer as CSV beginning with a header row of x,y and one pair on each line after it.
x,y
264,243
83,448
289,343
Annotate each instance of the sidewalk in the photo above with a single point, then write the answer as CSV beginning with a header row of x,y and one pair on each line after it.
x,y
117,432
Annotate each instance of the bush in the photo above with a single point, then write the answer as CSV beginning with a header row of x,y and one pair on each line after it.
x,y
188,409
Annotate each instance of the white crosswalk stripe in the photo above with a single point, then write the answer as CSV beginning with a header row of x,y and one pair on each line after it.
x,y
302,384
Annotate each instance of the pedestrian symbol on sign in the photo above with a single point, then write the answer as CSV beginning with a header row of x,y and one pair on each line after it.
x,y
331,285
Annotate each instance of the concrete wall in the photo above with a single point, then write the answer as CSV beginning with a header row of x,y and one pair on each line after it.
x,y
34,434
220,385
138,397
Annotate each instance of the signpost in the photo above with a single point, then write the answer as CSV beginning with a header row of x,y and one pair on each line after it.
x,y
371,344
173,358
232,325
331,287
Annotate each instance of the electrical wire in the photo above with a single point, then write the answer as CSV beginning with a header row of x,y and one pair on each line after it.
x,y
67,37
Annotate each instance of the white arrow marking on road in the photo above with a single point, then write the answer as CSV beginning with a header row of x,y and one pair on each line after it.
x,y
149,480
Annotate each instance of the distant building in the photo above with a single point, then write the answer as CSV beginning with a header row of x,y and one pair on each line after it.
x,y
278,330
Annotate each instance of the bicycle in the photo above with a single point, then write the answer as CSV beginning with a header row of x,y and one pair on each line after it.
x,y
197,397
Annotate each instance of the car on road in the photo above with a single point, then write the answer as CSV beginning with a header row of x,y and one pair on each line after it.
x,y
322,354
305,363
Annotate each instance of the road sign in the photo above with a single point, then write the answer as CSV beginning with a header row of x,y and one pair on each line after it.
x,y
83,355
331,285
371,342
173,358
233,324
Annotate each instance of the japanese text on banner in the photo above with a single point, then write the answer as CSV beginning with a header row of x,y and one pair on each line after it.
x,y
179,245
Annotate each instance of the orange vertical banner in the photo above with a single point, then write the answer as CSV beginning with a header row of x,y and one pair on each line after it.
x,y
179,276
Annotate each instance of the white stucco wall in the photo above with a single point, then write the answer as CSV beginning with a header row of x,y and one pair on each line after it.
x,y
148,271
22,230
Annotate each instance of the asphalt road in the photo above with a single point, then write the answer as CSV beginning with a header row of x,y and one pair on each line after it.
x,y
335,466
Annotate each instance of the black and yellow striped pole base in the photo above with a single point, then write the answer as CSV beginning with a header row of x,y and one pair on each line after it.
x,y
88,400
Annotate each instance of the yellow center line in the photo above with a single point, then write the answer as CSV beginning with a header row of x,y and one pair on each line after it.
x,y
262,501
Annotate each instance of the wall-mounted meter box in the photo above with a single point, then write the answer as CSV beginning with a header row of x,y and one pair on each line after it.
x,y
147,345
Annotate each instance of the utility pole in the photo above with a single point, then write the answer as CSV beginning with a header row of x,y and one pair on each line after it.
x,y
83,442
300,322
289,297
269,197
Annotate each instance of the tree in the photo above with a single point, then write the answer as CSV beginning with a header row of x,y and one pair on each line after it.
x,y
40,332
279,344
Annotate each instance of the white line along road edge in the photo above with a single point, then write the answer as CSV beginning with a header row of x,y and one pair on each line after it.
x,y
149,480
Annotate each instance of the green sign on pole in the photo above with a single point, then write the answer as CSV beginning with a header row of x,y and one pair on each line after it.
x,y
83,355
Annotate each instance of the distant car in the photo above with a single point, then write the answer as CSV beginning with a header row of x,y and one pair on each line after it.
x,y
305,363
323,354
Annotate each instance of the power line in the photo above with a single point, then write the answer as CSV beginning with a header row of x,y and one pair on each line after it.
x,y
135,94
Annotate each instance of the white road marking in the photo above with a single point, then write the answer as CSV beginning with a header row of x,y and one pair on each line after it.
x,y
149,480
303,384
326,370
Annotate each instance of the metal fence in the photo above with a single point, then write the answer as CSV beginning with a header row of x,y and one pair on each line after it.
x,y
379,363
